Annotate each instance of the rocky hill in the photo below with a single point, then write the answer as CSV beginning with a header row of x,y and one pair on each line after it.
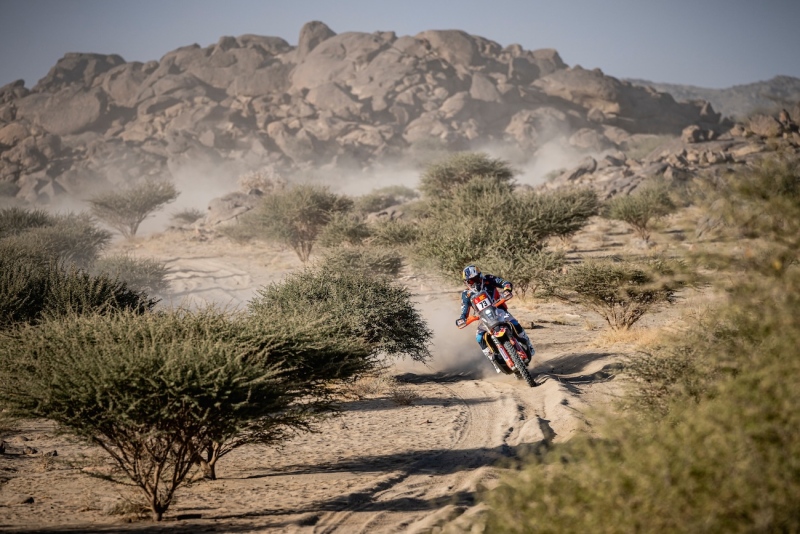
x,y
740,101
334,100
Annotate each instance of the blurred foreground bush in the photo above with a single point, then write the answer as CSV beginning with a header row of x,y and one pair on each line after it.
x,y
146,275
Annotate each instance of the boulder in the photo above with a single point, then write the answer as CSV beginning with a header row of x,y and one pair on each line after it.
x,y
13,133
331,97
73,110
482,88
311,35
12,91
589,89
230,207
296,145
272,78
337,59
454,46
77,68
271,45
122,83
587,140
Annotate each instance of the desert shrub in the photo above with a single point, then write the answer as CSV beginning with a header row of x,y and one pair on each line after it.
x,y
162,391
144,275
382,198
440,178
484,219
525,268
371,260
725,461
297,216
763,200
126,209
364,306
343,228
393,232
72,238
564,211
620,291
188,216
641,208
15,220
34,288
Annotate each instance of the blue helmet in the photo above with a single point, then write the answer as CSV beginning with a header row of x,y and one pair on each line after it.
x,y
472,277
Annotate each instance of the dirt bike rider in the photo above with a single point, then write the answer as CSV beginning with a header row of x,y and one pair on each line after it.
x,y
497,288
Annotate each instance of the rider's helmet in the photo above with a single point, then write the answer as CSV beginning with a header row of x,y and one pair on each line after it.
x,y
472,277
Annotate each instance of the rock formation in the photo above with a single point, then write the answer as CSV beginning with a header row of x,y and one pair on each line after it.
x,y
252,101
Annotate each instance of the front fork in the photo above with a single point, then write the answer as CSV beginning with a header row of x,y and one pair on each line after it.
x,y
502,350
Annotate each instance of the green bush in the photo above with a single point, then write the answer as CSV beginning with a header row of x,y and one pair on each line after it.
x,y
363,305
16,220
159,391
441,178
343,228
370,260
764,200
527,269
188,216
32,289
393,232
296,216
125,210
485,221
72,239
562,212
382,198
620,291
639,209
144,275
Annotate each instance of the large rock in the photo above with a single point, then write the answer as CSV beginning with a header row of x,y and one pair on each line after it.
x,y
454,46
311,35
77,68
331,97
337,59
72,110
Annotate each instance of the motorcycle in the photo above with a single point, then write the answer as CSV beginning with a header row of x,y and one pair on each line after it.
x,y
511,354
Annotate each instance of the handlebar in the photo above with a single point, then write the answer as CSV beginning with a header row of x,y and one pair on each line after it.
x,y
472,318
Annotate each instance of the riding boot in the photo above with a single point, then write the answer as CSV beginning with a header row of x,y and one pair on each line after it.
x,y
488,352
527,340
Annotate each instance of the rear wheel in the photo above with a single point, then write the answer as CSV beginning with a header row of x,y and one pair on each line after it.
x,y
521,369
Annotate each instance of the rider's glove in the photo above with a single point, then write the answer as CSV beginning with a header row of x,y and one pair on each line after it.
x,y
460,321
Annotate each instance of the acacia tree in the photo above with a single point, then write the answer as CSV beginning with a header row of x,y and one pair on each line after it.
x,y
296,216
620,291
441,177
126,209
157,391
641,208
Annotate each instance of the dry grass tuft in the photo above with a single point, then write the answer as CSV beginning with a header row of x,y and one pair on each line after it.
x,y
640,337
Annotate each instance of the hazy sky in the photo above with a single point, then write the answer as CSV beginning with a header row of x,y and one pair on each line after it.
x,y
710,43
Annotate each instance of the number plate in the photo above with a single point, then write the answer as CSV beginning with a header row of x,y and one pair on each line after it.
x,y
481,302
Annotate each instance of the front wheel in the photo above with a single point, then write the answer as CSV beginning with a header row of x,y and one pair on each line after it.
x,y
521,369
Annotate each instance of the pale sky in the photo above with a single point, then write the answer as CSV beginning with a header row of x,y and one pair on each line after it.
x,y
709,43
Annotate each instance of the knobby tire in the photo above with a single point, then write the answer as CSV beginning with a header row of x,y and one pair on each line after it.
x,y
521,369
